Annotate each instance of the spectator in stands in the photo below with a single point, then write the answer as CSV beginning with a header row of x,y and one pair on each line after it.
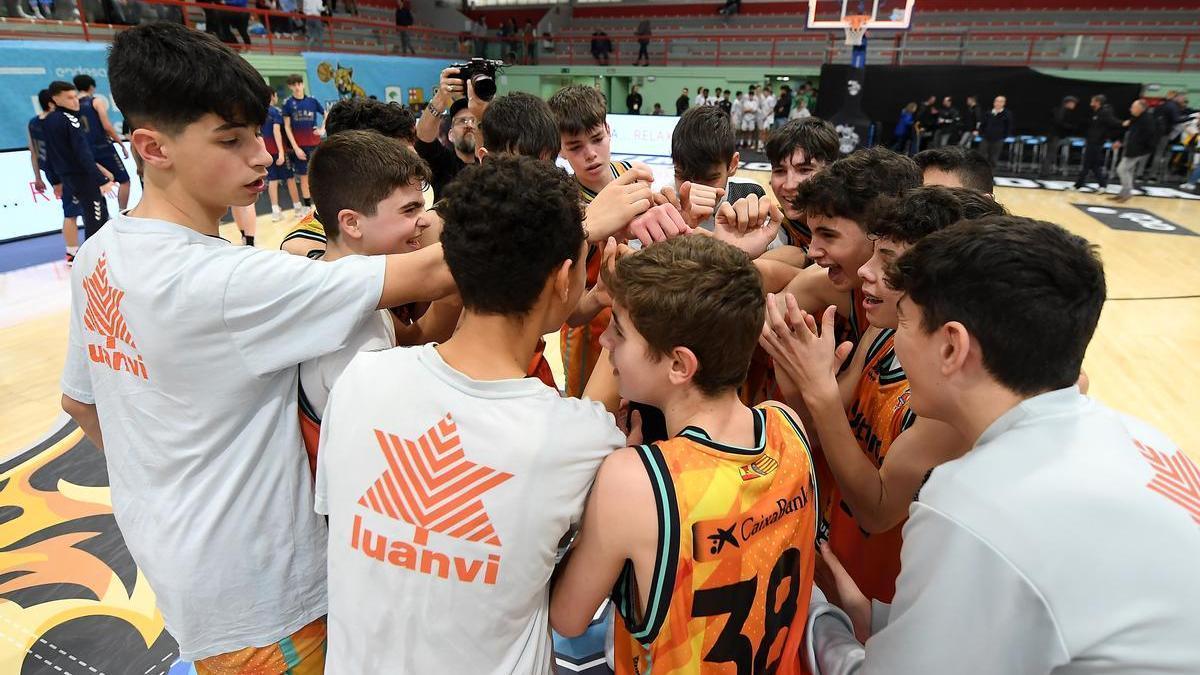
x,y
997,126
633,102
682,103
1065,126
1102,128
972,121
480,33
508,45
404,21
314,29
1139,144
730,8
643,36
239,21
926,122
903,133
783,106
530,43
949,123
658,109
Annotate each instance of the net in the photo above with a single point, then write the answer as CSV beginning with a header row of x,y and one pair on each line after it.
x,y
856,28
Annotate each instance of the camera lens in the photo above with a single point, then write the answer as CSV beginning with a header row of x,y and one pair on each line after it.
x,y
485,86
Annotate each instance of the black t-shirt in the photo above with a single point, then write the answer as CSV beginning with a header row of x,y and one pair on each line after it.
x,y
634,103
444,164
726,105
681,104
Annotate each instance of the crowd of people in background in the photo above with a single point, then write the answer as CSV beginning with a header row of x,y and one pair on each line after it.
x,y
754,112
1143,137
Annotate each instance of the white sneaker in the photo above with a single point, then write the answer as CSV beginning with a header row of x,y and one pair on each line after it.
x,y
298,212
1190,187
276,214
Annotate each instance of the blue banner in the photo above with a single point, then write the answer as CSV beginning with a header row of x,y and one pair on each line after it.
x,y
404,80
42,62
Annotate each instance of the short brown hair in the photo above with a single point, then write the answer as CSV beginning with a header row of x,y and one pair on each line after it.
x,y
294,78
925,210
578,109
694,292
357,170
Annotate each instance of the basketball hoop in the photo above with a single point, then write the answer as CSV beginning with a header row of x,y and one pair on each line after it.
x,y
856,28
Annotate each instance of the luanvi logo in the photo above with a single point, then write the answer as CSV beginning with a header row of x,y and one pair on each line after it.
x,y
103,317
431,484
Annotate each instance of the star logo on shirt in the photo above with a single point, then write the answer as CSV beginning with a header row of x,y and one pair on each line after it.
x,y
1175,477
430,483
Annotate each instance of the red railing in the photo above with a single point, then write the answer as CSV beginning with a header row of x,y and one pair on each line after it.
x,y
286,34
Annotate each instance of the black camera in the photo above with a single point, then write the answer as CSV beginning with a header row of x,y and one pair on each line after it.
x,y
482,74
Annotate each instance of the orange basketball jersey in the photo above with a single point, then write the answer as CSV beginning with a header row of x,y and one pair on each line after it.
x,y
878,415
580,346
734,569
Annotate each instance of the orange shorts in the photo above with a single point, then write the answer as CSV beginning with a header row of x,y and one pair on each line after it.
x,y
301,653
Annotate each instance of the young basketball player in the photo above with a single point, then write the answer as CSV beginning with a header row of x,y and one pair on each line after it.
x,y
797,151
878,451
444,521
40,159
186,374
704,540
70,153
300,115
93,112
280,169
1063,541
581,114
307,238
954,166
366,188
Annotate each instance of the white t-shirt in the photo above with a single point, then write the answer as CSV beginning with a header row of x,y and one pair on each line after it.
x,y
800,112
1064,542
750,106
736,112
447,498
700,100
318,376
189,347
312,7
766,107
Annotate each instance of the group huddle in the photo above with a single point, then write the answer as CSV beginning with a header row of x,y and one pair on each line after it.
x,y
854,409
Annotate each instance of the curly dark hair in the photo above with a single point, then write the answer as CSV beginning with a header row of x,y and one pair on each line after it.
x,y
1029,291
364,114
816,137
510,222
694,292
847,188
925,210
972,168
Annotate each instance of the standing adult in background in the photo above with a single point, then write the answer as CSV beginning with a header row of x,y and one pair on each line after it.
x,y
404,21
972,121
1103,126
314,29
725,104
904,131
949,123
997,126
766,108
643,36
480,33
462,117
783,106
1065,126
634,101
701,96
93,113
70,153
682,103
239,21
1139,144
530,38
926,122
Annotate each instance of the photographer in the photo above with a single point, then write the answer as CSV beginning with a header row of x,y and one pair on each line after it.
x,y
456,107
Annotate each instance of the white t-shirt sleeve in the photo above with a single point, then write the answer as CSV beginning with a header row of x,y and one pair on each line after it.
x,y
282,310
960,607
317,376
76,380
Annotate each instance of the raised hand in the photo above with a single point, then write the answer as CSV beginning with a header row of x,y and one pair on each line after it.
x,y
751,224
697,202
625,198
810,356
659,223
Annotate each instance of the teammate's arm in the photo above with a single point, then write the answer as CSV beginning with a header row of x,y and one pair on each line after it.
x,y
38,183
419,276
275,128
287,128
86,417
792,255
614,208
101,107
602,384
617,525
813,290
436,325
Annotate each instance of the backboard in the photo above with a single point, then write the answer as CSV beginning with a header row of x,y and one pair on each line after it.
x,y
887,14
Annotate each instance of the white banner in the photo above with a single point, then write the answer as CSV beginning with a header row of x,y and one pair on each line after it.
x,y
642,134
27,212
